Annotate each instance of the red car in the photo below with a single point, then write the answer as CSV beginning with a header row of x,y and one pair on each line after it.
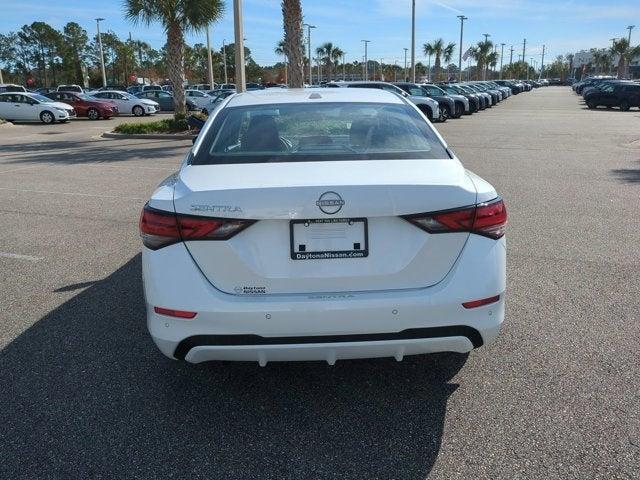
x,y
86,105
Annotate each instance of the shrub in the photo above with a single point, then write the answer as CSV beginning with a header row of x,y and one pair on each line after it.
x,y
169,125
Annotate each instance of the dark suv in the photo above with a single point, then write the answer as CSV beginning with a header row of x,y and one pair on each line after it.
x,y
624,95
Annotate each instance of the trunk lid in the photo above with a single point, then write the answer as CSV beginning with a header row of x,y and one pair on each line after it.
x,y
259,259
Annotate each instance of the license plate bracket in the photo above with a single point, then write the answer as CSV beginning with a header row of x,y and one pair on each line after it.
x,y
329,238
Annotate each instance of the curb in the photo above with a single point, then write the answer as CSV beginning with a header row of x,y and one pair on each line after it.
x,y
149,136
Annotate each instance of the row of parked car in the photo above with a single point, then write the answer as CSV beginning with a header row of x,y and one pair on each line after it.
x,y
606,91
65,102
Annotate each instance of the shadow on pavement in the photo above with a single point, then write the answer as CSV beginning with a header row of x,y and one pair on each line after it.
x,y
85,394
628,175
86,151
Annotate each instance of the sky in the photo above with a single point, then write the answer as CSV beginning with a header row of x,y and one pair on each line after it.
x,y
563,26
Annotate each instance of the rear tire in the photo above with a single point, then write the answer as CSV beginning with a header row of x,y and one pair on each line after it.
x,y
138,111
591,104
624,105
459,110
47,117
445,113
93,114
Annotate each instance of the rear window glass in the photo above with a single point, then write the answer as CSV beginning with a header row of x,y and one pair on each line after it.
x,y
306,132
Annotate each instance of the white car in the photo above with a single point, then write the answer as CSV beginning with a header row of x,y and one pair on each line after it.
x,y
198,97
27,107
322,224
128,103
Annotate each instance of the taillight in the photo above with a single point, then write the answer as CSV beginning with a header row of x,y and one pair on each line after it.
x,y
488,219
159,228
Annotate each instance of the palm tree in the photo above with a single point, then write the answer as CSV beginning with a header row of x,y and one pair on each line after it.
x,y
281,50
292,17
492,61
329,54
625,52
438,49
177,17
447,56
480,53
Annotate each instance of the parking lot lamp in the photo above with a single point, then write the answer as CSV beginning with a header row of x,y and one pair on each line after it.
x,y
209,60
240,80
405,65
104,73
366,60
309,27
501,56
462,19
224,59
413,41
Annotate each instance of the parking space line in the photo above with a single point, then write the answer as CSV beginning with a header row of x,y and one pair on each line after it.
x,y
19,169
17,256
76,194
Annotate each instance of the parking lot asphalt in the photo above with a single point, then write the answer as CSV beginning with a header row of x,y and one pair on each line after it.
x,y
85,394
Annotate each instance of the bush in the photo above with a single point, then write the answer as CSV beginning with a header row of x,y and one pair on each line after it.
x,y
169,125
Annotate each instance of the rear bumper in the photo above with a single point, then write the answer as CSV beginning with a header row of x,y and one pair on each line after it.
x,y
325,327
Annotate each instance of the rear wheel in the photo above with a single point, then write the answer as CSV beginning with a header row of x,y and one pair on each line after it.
x,y
93,114
445,113
459,110
591,104
624,105
138,111
47,117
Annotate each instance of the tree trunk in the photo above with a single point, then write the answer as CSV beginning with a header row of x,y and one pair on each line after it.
x,y
437,68
621,64
175,62
292,18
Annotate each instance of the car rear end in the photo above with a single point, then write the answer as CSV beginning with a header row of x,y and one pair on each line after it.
x,y
326,247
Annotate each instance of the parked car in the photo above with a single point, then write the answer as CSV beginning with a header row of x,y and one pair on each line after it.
x,y
33,107
86,105
234,242
426,105
216,99
165,100
45,90
621,94
472,99
111,88
485,98
515,89
201,86
200,98
254,86
70,88
128,103
225,86
446,105
10,87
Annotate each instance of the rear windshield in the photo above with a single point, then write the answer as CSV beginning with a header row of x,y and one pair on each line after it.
x,y
303,132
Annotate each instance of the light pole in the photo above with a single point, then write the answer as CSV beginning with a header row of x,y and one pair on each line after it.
x,y
224,59
413,41
630,27
343,66
209,60
309,27
501,55
511,56
406,78
462,19
524,49
241,81
486,37
104,73
366,60
529,67
395,71
542,62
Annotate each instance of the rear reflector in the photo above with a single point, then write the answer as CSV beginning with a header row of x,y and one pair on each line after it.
x,y
479,303
174,313
159,228
488,219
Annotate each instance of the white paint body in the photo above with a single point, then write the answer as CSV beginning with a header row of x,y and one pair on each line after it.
x,y
411,279
26,112
126,102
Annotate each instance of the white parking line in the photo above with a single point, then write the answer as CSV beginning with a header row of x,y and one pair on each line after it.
x,y
76,194
19,257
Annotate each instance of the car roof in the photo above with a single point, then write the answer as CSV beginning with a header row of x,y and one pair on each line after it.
x,y
317,95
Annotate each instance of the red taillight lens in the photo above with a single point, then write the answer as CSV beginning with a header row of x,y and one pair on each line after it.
x,y
488,219
479,303
159,228
174,313
491,219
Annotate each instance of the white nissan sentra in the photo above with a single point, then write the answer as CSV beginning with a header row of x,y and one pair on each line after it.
x,y
322,224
